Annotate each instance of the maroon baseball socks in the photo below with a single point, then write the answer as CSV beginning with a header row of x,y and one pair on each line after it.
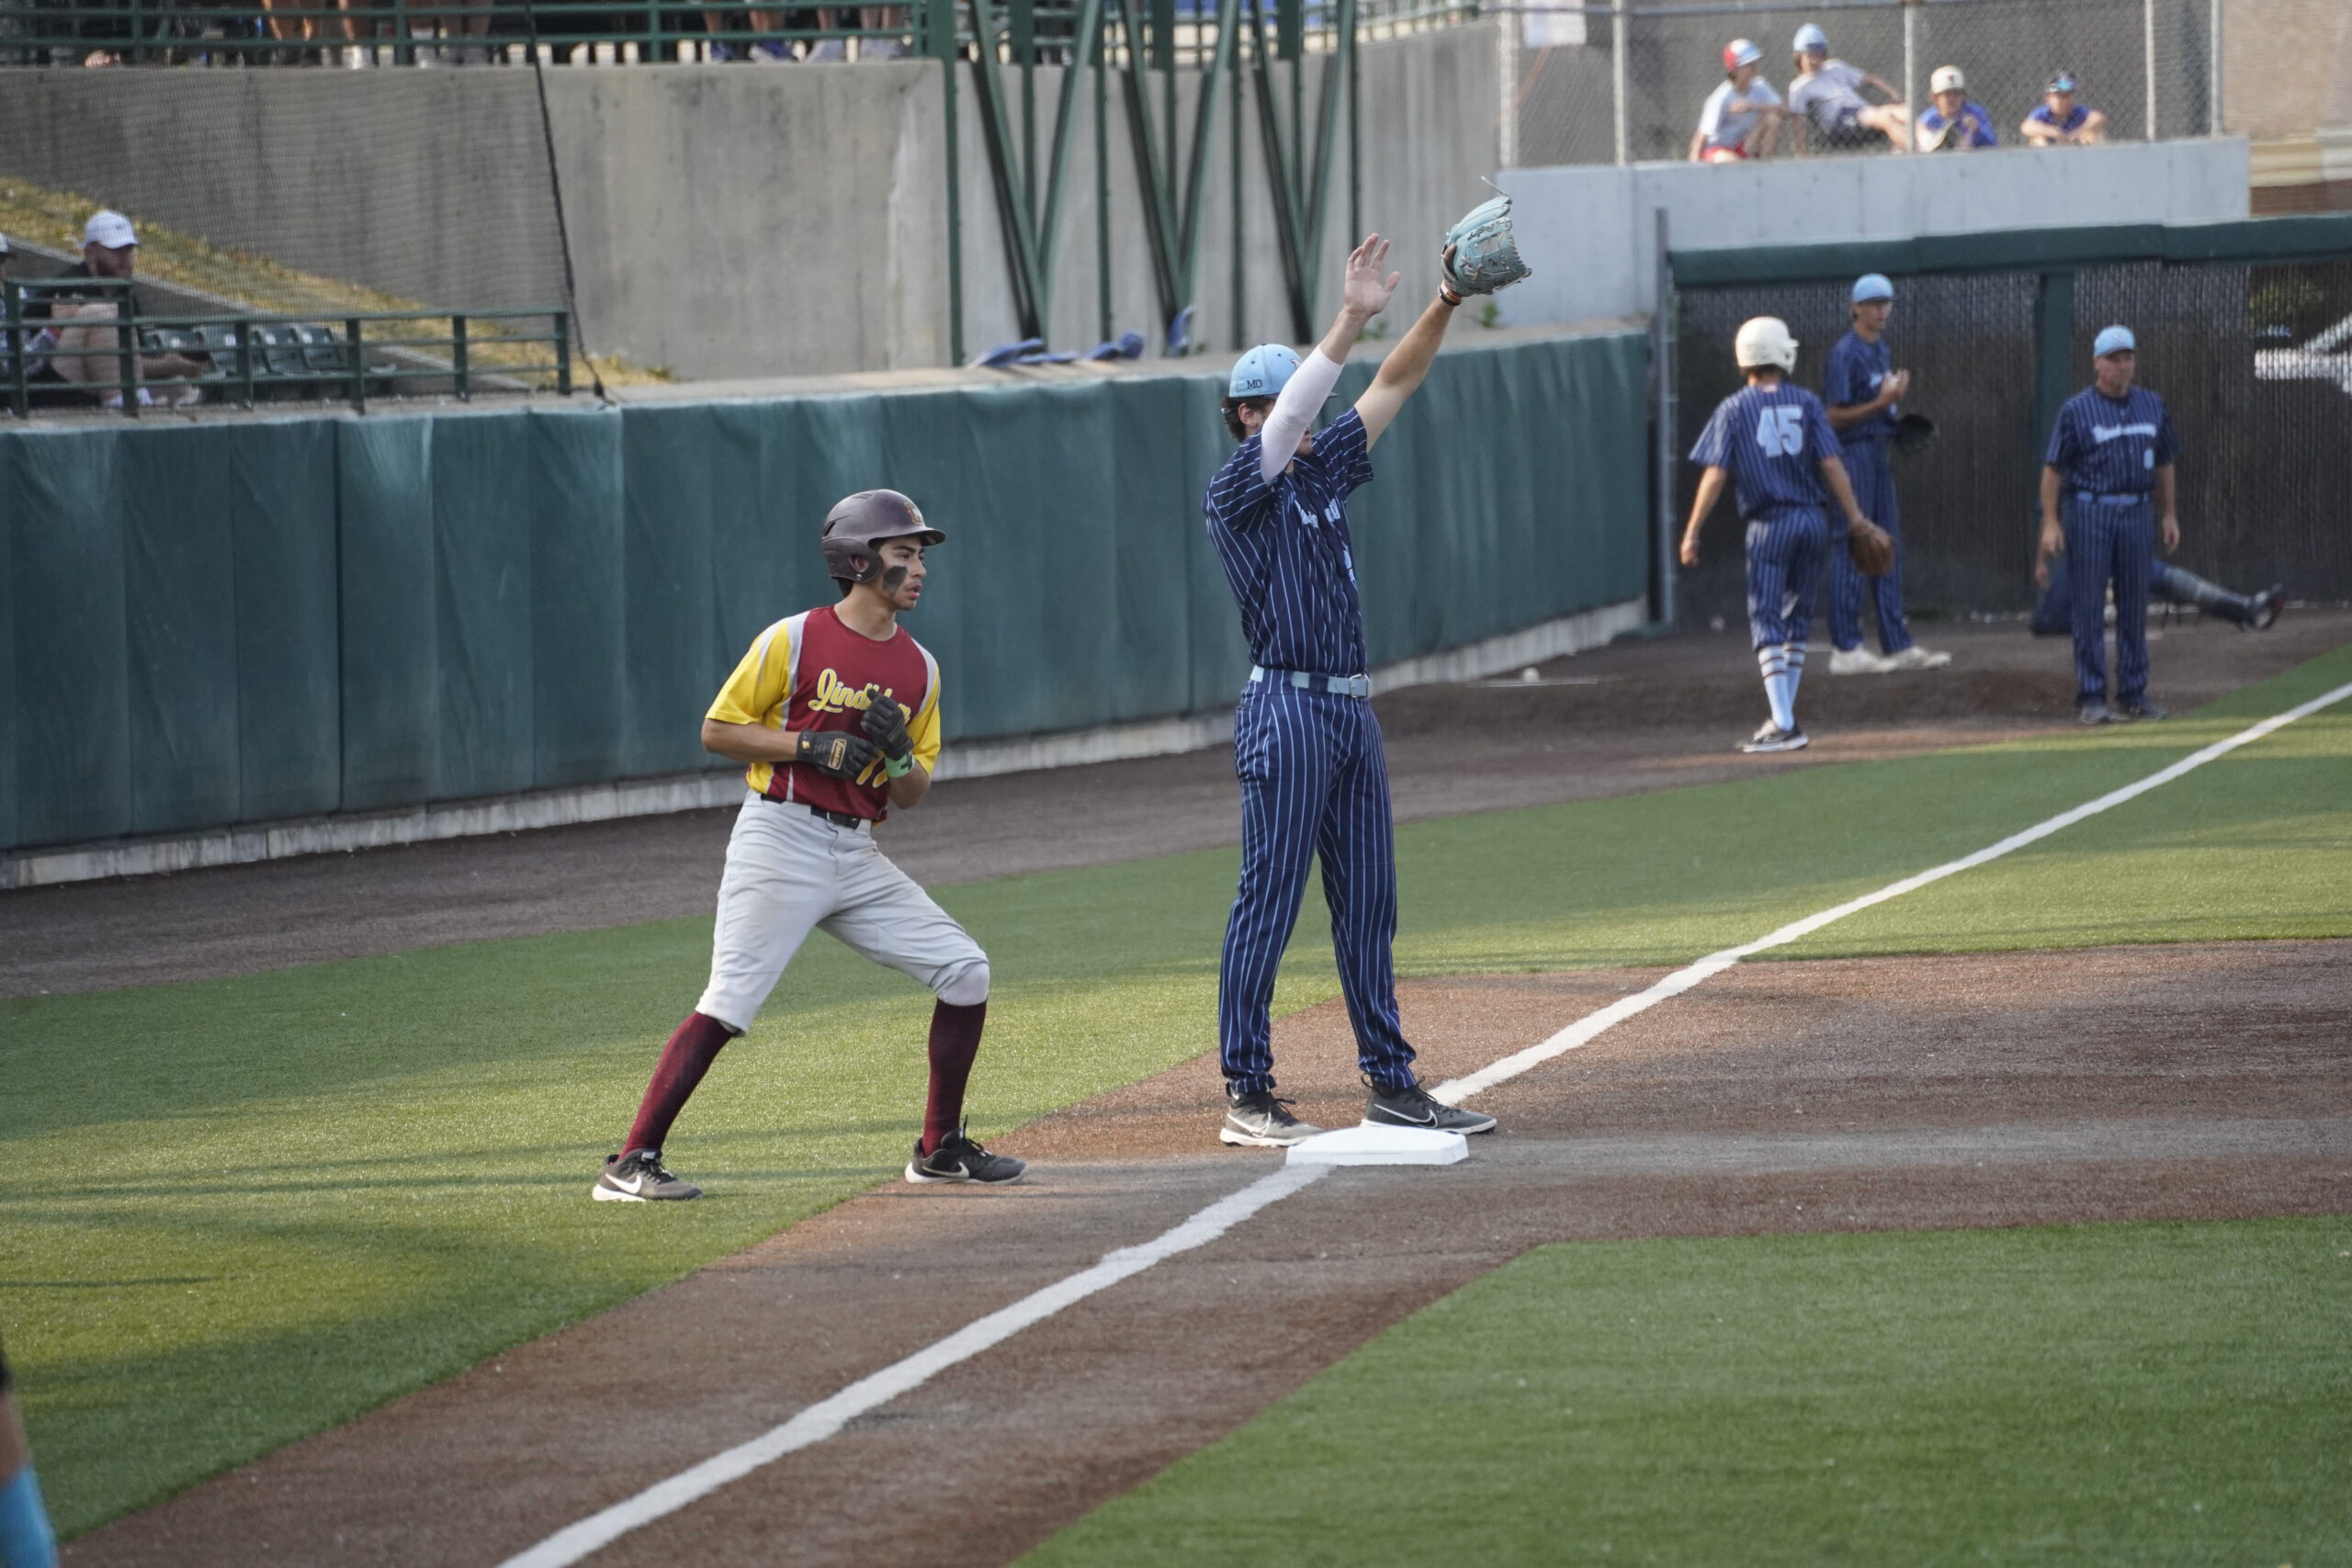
x,y
954,1041
684,1059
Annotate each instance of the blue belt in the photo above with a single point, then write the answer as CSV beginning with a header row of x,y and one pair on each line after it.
x,y
1338,685
2117,498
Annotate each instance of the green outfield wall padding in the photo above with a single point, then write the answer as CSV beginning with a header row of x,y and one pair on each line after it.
x,y
207,624
2297,238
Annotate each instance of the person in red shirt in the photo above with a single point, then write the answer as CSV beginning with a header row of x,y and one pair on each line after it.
x,y
836,712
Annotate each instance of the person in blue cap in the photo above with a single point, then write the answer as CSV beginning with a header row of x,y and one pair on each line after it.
x,y
2059,120
1831,97
2108,501
1862,389
1305,745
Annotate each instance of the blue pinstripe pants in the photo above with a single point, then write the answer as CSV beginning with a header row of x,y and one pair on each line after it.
x,y
1868,466
2103,541
1314,786
1783,569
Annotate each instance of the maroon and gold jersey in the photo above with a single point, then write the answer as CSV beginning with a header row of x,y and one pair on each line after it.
x,y
809,672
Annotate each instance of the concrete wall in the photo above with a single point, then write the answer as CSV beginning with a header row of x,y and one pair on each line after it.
x,y
727,221
2287,66
1589,231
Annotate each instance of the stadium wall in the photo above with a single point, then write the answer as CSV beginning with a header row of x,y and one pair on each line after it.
x,y
279,618
1598,225
727,221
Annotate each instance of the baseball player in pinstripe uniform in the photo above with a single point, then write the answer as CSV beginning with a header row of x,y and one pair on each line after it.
x,y
1772,443
2107,498
1862,389
836,712
1305,745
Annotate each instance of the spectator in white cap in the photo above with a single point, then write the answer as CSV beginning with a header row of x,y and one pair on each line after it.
x,y
1828,97
89,357
1954,123
1742,117
2059,120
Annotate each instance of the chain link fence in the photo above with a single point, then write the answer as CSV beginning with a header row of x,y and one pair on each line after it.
x,y
1599,83
2252,359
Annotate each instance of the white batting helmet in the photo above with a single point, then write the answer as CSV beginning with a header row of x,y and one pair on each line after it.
x,y
1764,340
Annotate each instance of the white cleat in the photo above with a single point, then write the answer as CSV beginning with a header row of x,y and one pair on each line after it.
x,y
1917,657
1858,662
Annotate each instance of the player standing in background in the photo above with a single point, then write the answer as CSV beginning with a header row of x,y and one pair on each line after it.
x,y
1305,745
1742,116
2107,497
1862,387
1773,443
26,1540
837,711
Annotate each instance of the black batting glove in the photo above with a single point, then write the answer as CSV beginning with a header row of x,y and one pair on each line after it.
x,y
837,751
886,726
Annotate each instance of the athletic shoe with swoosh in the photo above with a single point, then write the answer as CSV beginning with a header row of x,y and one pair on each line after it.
x,y
638,1177
1412,1107
958,1158
1260,1120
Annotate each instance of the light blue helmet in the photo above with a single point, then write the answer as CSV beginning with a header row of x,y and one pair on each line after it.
x,y
1810,35
1262,372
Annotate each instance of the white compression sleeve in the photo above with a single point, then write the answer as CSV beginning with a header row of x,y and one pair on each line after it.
x,y
1302,396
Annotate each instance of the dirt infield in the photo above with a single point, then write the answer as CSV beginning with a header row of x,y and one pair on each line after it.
x,y
1633,716
2180,1082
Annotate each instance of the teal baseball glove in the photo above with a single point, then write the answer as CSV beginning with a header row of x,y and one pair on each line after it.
x,y
1480,256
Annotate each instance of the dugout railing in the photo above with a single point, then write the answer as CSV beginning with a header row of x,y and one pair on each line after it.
x,y
2245,328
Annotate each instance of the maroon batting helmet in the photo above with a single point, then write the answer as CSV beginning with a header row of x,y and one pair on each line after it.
x,y
858,523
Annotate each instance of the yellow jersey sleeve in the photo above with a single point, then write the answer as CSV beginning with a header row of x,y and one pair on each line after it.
x,y
923,727
756,692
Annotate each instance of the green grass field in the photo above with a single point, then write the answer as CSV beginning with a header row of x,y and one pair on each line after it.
x,y
2139,1394
267,1203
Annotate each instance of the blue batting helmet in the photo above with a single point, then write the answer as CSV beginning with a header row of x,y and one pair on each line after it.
x,y
1262,372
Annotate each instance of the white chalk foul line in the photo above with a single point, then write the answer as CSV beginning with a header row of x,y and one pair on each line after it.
x,y
1586,1029
828,1416
822,1420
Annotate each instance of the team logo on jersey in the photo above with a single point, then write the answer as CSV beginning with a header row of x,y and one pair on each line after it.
x,y
835,697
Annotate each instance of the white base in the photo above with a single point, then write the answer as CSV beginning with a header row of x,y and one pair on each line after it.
x,y
1368,1145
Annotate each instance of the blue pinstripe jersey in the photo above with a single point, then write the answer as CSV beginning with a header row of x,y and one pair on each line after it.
x,y
1856,367
1287,554
2111,446
1772,439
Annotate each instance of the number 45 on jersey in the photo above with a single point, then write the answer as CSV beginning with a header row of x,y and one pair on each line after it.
x,y
1781,431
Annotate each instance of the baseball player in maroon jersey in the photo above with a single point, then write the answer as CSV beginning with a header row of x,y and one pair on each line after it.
x,y
836,712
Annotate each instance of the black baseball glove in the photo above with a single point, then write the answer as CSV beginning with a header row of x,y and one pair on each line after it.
x,y
886,726
1913,431
837,751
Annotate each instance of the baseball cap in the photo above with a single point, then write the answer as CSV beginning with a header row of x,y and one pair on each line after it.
x,y
1810,35
1741,51
2063,83
2113,340
108,227
1262,372
1872,286
1947,79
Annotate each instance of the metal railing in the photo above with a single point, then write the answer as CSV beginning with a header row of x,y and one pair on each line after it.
x,y
626,32
246,358
1622,81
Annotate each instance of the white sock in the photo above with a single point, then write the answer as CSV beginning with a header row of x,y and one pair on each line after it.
x,y
1793,653
1780,690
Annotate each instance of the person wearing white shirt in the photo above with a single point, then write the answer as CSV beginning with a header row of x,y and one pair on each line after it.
x,y
1742,117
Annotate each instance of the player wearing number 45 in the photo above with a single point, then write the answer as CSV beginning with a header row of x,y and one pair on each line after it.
x,y
1864,390
2107,496
1772,443
836,710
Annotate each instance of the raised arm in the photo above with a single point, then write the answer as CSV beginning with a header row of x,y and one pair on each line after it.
x,y
1400,374
1362,297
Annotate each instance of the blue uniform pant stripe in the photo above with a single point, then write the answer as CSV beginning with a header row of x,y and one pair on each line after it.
x,y
1314,782
1783,564
2107,543
1868,466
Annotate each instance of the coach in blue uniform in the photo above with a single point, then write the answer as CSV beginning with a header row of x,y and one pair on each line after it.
x,y
1770,441
1305,745
2107,498
1862,389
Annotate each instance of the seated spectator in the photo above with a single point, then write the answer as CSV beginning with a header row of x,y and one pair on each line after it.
x,y
1741,119
1827,96
2060,121
1954,123
88,356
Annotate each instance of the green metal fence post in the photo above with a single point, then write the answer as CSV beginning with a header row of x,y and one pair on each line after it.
x,y
359,367
126,338
563,354
942,17
457,357
19,403
244,331
2053,347
403,51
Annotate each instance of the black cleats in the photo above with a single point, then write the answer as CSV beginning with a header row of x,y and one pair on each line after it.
x,y
958,1158
2094,713
1772,738
638,1177
1412,1107
1260,1122
2128,711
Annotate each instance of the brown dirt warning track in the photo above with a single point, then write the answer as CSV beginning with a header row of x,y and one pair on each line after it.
x,y
2156,1082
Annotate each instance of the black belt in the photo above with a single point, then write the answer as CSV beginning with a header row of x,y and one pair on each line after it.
x,y
838,818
